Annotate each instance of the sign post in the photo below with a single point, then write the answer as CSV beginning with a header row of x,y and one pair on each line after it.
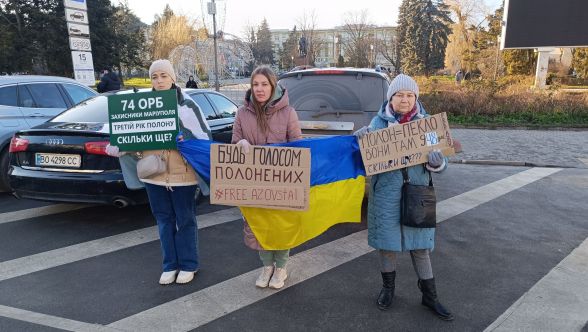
x,y
76,15
143,121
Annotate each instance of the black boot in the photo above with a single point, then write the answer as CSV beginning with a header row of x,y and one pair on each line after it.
x,y
430,300
387,292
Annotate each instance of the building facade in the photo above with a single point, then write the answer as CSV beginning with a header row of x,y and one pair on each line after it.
x,y
332,44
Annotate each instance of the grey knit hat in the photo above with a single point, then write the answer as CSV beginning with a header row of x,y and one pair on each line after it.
x,y
402,82
164,66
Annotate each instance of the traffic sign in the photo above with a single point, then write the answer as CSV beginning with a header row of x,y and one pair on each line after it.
x,y
85,76
80,44
77,4
78,30
76,16
82,60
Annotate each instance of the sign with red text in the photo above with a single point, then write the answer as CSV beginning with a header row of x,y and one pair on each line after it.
x,y
406,144
268,177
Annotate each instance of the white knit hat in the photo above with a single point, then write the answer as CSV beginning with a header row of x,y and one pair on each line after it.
x,y
402,82
164,66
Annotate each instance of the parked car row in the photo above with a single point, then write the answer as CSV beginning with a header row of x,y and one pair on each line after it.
x,y
64,159
27,101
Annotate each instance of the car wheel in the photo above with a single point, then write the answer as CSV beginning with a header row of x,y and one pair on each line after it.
x,y
4,170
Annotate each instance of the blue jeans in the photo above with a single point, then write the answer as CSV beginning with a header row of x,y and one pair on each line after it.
x,y
178,234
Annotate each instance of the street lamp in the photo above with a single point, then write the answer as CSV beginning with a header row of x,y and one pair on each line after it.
x,y
292,58
212,11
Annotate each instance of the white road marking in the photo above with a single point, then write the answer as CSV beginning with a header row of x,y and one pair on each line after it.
x,y
39,211
584,160
201,307
51,321
558,302
198,308
49,259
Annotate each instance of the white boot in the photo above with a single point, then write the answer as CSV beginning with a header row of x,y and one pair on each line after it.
x,y
264,278
278,278
167,277
185,277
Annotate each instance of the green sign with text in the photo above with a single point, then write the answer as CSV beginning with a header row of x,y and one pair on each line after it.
x,y
144,120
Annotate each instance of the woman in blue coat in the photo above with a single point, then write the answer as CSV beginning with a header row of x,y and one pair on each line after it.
x,y
385,233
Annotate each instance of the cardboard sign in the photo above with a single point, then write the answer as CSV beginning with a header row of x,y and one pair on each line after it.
x,y
405,144
144,120
267,177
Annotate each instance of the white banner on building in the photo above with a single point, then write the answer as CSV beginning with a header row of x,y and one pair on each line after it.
x,y
77,4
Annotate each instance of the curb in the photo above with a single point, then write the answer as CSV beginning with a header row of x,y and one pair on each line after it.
x,y
455,126
506,163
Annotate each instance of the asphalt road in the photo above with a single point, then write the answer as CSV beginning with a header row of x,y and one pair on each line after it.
x,y
510,254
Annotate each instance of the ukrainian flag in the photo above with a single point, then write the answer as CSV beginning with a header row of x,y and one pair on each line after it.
x,y
337,184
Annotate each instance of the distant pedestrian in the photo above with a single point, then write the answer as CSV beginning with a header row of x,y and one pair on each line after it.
x,y
109,81
266,117
458,77
385,232
191,84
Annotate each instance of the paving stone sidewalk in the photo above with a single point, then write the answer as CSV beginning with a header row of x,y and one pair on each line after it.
x,y
534,147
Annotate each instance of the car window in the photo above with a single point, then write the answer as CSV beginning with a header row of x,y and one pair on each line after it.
x,y
8,96
24,97
225,107
47,95
91,110
77,93
204,105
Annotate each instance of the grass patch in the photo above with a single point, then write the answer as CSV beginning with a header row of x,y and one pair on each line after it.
x,y
137,82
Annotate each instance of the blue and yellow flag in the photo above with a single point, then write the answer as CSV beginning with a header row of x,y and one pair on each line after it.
x,y
337,184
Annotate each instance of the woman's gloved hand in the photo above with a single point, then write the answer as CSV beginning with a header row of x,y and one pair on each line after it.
x,y
113,151
435,158
362,131
245,145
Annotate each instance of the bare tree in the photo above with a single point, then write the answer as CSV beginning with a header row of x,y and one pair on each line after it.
x,y
358,38
171,32
467,15
314,42
389,48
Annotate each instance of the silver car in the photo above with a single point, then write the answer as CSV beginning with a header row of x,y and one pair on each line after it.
x,y
26,101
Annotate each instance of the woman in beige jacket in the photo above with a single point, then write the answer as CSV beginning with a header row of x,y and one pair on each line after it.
x,y
171,193
266,118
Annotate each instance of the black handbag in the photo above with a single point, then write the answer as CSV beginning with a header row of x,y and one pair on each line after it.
x,y
418,205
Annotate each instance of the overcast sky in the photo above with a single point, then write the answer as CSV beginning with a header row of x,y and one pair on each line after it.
x,y
279,14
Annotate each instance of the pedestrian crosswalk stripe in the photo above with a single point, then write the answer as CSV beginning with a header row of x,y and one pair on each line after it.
x,y
198,308
565,287
204,306
49,259
51,321
39,212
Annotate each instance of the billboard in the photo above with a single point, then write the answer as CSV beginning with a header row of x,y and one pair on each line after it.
x,y
545,23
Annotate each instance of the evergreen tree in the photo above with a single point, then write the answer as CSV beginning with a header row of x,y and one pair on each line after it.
x,y
520,62
265,52
423,34
288,50
580,62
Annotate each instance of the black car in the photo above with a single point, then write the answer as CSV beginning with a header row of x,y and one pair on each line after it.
x,y
65,158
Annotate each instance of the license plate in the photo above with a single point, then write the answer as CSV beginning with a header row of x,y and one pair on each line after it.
x,y
61,160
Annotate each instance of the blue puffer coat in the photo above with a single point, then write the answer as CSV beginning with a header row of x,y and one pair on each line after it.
x,y
384,229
